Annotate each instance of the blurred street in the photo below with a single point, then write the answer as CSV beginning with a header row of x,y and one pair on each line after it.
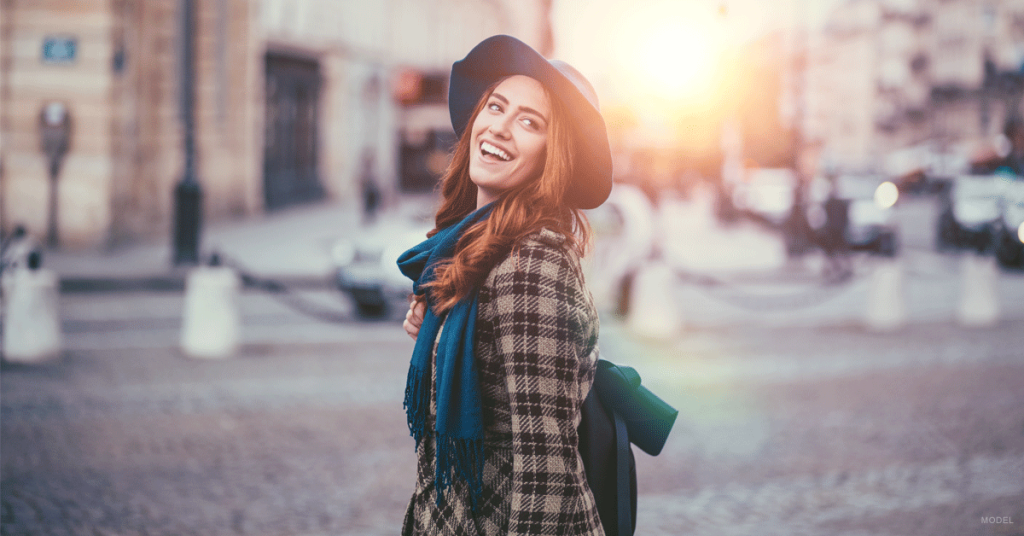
x,y
782,431
832,431
794,419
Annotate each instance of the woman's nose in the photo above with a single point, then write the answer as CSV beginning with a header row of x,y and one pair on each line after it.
x,y
501,127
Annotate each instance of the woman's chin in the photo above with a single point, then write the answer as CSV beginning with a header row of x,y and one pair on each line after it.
x,y
487,181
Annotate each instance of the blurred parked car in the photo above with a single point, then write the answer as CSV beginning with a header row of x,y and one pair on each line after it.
x,y
969,214
870,202
1009,228
624,238
366,262
766,194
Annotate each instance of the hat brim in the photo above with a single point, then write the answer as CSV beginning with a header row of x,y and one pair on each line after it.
x,y
501,56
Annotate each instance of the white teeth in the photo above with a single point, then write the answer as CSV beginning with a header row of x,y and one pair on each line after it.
x,y
488,148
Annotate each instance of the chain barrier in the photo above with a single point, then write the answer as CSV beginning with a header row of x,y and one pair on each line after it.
x,y
822,293
286,296
722,290
713,287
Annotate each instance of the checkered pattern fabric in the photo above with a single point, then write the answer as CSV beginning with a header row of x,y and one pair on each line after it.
x,y
536,349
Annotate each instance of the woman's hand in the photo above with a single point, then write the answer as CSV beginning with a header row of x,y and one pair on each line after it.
x,y
414,318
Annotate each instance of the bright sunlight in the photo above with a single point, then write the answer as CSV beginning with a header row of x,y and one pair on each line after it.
x,y
675,62
672,49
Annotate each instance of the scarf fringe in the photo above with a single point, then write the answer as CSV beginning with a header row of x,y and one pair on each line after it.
x,y
464,458
417,392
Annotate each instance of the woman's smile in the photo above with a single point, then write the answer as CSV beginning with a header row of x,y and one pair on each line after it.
x,y
489,150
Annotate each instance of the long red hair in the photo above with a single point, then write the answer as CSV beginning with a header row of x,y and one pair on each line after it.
x,y
519,212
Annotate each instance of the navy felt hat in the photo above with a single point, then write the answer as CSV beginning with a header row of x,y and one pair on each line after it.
x,y
501,56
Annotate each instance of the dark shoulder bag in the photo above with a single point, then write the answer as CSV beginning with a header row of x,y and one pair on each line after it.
x,y
619,411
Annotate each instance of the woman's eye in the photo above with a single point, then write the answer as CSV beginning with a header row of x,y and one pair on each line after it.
x,y
530,123
494,106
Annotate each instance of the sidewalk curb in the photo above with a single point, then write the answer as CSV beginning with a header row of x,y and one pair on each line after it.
x,y
255,340
176,283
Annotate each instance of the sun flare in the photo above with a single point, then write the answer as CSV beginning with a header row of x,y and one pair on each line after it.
x,y
675,61
670,52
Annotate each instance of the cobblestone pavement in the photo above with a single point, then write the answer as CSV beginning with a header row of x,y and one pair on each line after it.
x,y
782,431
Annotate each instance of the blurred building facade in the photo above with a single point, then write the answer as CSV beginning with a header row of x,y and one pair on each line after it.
x,y
295,101
383,71
887,76
118,78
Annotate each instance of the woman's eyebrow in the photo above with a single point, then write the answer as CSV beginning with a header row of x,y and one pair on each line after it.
x,y
527,109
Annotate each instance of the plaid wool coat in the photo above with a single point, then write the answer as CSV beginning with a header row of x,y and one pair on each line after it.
x,y
536,352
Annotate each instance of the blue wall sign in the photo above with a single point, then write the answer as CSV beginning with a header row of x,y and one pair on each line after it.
x,y
59,49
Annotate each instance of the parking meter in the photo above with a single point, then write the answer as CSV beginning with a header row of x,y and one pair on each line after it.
x,y
55,140
55,133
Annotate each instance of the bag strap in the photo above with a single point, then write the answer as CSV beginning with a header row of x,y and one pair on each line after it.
x,y
622,475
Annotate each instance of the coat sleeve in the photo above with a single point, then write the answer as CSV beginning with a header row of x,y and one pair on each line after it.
x,y
543,341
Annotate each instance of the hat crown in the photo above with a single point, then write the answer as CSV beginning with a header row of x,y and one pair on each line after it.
x,y
578,80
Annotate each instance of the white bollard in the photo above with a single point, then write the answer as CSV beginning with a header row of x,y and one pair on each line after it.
x,y
979,292
886,309
211,324
652,308
32,331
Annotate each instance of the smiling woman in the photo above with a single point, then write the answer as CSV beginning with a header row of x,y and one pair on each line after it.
x,y
505,328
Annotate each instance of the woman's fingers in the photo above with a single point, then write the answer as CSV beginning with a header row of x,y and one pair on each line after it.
x,y
414,318
417,310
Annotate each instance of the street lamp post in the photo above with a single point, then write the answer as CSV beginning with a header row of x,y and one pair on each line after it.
x,y
188,194
799,231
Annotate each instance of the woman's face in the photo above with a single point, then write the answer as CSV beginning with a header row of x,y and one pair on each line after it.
x,y
509,137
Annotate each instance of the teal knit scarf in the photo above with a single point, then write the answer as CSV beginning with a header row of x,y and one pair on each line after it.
x,y
459,423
